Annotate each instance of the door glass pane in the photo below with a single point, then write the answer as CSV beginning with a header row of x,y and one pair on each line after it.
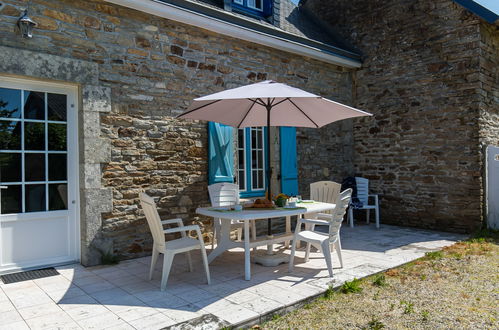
x,y
57,137
10,135
57,167
34,105
34,136
241,181
35,197
240,138
11,199
58,197
34,166
10,103
10,167
56,106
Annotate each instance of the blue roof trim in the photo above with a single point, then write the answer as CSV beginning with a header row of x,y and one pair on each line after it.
x,y
479,10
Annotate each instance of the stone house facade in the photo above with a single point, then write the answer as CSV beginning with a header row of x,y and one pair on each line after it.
x,y
430,76
124,75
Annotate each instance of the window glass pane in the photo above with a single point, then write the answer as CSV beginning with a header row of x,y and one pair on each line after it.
x,y
240,138
10,103
254,179
253,138
56,104
240,159
34,136
10,167
58,197
240,2
34,167
241,181
258,4
34,105
57,167
260,136
260,158
57,137
253,159
10,135
11,199
35,197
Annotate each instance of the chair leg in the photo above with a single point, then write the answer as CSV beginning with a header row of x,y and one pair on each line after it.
x,y
214,234
253,232
189,261
337,246
292,256
307,252
205,263
167,265
368,213
327,256
350,216
154,260
239,234
376,210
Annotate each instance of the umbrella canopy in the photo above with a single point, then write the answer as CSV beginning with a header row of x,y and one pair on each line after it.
x,y
269,103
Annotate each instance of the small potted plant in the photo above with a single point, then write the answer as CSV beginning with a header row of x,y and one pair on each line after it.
x,y
281,199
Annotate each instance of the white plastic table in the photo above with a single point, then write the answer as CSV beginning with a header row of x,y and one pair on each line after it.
x,y
226,243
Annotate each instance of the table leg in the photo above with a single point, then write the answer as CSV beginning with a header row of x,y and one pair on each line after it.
x,y
247,261
298,244
288,230
223,242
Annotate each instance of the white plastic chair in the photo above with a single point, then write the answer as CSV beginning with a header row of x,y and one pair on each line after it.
x,y
363,196
320,240
227,194
172,247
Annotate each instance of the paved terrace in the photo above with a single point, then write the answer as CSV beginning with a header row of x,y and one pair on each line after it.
x,y
121,297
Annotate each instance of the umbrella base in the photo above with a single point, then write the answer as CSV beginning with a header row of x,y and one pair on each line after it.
x,y
270,260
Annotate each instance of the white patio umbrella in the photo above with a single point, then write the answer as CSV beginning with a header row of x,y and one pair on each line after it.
x,y
269,103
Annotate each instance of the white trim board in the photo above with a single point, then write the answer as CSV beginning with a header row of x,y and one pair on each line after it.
x,y
186,16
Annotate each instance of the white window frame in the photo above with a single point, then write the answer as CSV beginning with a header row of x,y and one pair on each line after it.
x,y
253,6
244,170
262,149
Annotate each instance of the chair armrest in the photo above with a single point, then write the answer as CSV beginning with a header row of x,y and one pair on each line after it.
x,y
375,198
184,229
172,221
315,222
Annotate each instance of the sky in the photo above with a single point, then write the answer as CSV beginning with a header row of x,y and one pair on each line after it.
x,y
492,5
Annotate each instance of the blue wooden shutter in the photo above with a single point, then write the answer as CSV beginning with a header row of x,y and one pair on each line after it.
x,y
220,153
267,7
289,170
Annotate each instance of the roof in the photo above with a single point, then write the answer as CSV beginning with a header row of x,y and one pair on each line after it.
x,y
295,25
485,9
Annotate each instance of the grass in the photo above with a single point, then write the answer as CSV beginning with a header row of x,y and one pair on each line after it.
x,y
455,288
352,286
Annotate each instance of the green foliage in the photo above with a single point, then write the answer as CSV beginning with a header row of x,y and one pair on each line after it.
x,y
109,259
484,235
276,317
425,314
408,307
375,324
434,255
351,286
380,280
329,292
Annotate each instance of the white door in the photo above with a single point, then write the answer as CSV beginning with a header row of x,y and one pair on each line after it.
x,y
38,173
493,187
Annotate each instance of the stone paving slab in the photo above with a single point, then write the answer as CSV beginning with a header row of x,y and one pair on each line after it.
x,y
122,297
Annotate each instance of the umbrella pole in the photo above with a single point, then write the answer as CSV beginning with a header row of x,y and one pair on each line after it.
x,y
270,247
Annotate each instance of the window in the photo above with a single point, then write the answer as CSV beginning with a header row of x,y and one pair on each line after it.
x,y
252,161
253,7
33,151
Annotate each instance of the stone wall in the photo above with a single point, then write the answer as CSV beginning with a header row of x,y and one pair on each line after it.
x,y
421,78
152,68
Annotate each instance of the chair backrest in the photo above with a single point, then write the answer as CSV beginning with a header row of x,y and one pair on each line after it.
x,y
224,194
362,189
325,191
338,213
153,219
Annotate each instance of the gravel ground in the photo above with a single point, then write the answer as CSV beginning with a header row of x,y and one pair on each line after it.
x,y
457,288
